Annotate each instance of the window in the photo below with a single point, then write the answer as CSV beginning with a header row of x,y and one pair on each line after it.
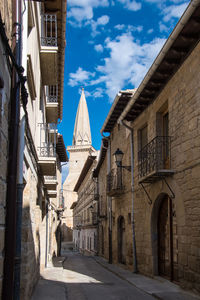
x,y
142,138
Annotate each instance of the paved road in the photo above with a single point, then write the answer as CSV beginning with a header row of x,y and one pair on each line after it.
x,y
82,278
78,277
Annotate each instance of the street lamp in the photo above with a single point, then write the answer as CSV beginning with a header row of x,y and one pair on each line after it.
x,y
118,159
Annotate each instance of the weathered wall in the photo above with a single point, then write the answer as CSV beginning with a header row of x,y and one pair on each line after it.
x,y
181,98
182,95
86,239
5,82
33,235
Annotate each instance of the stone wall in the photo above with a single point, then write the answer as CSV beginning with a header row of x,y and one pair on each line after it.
x,y
33,235
180,98
181,95
6,14
5,82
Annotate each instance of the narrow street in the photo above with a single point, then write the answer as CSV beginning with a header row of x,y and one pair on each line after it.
x,y
79,277
83,278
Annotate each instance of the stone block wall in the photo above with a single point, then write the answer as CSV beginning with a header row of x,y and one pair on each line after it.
x,y
181,95
5,82
6,14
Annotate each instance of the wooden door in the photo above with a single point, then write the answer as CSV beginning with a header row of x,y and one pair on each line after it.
x,y
163,240
121,241
167,241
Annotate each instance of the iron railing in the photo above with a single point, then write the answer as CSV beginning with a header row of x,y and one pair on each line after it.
x,y
114,180
47,151
52,93
47,139
49,30
47,126
155,156
50,177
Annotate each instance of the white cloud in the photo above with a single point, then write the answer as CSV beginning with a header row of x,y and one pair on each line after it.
x,y
150,31
128,63
128,28
120,26
163,27
131,4
98,93
98,48
100,22
82,10
174,11
80,77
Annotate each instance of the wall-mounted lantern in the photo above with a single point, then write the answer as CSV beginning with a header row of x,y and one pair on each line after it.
x,y
118,159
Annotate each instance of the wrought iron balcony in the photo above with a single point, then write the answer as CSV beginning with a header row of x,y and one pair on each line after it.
x,y
154,160
52,93
115,185
49,49
47,151
49,30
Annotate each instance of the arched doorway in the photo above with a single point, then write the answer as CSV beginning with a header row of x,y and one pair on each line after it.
x,y
121,241
167,242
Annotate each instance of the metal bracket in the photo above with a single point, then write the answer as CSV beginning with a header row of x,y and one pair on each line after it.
x,y
172,196
150,201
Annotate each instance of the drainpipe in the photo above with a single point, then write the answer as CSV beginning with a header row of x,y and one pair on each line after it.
x,y
132,194
11,197
20,183
109,202
47,222
20,188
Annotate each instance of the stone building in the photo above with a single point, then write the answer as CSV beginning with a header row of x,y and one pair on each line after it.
x,y
32,225
85,210
81,147
5,84
152,193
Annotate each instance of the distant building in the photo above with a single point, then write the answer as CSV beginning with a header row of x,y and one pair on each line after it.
x,y
85,209
79,151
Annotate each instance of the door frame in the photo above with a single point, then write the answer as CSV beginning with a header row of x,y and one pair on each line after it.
x,y
155,237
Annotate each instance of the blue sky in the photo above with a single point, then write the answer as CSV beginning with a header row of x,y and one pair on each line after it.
x,y
110,46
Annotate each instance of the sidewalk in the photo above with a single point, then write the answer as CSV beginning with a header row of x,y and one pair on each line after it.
x,y
158,287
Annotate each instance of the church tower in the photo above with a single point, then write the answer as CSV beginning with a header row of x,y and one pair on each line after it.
x,y
78,153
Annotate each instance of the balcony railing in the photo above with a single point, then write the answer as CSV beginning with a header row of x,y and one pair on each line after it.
x,y
154,160
47,151
115,185
52,94
49,30
53,178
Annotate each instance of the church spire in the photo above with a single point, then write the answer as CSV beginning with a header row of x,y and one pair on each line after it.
x,y
82,134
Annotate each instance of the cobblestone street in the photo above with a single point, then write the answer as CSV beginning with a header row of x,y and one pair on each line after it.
x,y
82,277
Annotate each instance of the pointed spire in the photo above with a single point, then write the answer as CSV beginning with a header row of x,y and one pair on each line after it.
x,y
82,134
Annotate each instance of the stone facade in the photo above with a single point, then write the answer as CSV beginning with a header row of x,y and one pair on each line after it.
x,y
5,83
44,148
85,210
166,208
